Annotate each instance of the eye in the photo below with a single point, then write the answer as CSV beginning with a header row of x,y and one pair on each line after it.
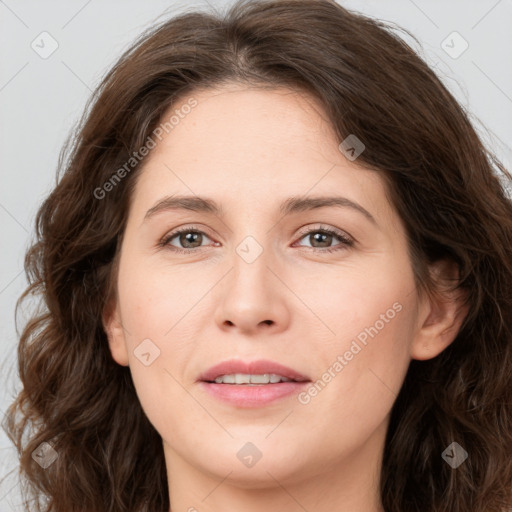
x,y
189,238
324,236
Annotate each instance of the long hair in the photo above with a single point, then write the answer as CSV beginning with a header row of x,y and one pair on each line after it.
x,y
78,405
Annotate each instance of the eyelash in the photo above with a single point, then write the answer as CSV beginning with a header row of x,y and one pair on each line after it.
x,y
345,240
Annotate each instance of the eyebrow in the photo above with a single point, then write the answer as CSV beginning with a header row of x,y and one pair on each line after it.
x,y
289,206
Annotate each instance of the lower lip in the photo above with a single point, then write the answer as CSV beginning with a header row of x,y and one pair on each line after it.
x,y
243,395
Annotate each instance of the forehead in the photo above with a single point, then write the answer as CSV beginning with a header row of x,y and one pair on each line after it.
x,y
260,120
252,144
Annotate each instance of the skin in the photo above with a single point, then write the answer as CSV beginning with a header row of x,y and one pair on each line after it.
x,y
249,149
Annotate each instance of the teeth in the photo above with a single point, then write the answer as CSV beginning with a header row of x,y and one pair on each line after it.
x,y
244,378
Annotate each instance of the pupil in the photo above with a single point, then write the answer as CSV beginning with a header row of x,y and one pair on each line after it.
x,y
319,236
189,238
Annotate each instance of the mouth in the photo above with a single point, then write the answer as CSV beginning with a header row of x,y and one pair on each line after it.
x,y
252,384
261,372
250,380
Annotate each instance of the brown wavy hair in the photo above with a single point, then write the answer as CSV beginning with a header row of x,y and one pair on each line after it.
x,y
448,188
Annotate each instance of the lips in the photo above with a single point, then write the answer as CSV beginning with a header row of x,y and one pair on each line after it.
x,y
259,367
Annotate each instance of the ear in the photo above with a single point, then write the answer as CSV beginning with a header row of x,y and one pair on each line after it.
x,y
440,314
115,333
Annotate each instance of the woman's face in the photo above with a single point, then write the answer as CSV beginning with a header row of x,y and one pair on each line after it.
x,y
260,280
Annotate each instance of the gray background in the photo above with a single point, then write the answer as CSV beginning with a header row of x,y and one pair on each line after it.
x,y
41,100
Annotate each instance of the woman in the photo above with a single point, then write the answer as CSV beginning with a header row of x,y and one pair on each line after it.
x,y
277,275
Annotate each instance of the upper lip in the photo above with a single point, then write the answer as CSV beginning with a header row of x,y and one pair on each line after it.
x,y
259,367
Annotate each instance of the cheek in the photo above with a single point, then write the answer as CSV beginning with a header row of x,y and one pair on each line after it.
x,y
361,375
359,303
360,368
161,310
155,300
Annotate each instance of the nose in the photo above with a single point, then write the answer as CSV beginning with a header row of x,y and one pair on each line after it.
x,y
252,297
